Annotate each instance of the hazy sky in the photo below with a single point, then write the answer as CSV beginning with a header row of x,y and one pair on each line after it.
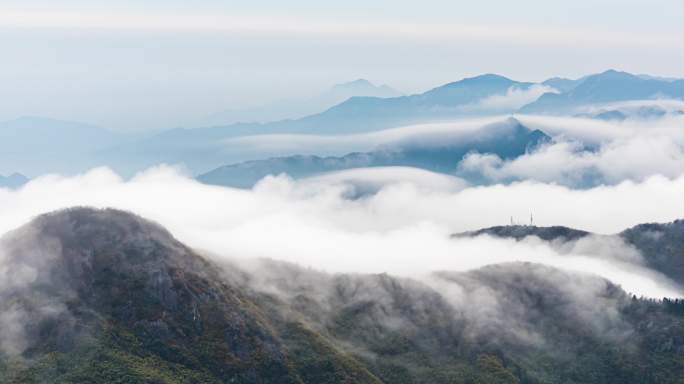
x,y
162,63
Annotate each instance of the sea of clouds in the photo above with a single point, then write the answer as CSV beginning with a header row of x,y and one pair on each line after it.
x,y
401,227
595,175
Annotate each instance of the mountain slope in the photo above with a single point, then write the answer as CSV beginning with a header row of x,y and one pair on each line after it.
x,y
14,180
562,84
609,86
507,139
520,232
113,298
294,109
362,114
661,245
103,296
201,148
448,100
36,145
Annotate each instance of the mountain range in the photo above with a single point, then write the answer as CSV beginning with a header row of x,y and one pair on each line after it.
x,y
661,245
43,145
507,139
367,113
39,145
363,114
606,87
104,296
292,109
202,149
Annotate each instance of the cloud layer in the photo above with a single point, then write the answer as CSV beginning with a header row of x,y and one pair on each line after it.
x,y
568,163
514,99
402,227
585,152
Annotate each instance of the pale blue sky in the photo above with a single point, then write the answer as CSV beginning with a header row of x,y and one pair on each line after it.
x,y
157,63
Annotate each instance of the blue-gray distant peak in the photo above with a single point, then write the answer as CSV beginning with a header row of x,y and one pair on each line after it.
x,y
661,78
606,87
355,83
14,180
35,145
487,78
358,82
488,81
507,139
562,84
198,150
360,87
469,90
295,108
613,73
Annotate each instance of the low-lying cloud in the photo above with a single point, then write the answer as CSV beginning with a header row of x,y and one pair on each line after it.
x,y
569,163
514,99
266,145
584,152
639,109
402,227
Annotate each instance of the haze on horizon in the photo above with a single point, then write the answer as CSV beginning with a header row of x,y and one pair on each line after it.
x,y
142,65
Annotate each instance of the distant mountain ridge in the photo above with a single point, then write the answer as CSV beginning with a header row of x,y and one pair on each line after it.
x,y
293,109
200,149
661,244
608,86
361,87
44,146
366,113
38,145
563,84
443,103
507,139
13,181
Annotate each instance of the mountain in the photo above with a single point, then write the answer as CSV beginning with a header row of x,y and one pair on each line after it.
x,y
661,245
103,296
359,114
363,87
507,139
42,146
201,149
14,180
606,115
661,78
373,112
120,300
293,109
606,87
562,84
36,145
642,110
519,232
